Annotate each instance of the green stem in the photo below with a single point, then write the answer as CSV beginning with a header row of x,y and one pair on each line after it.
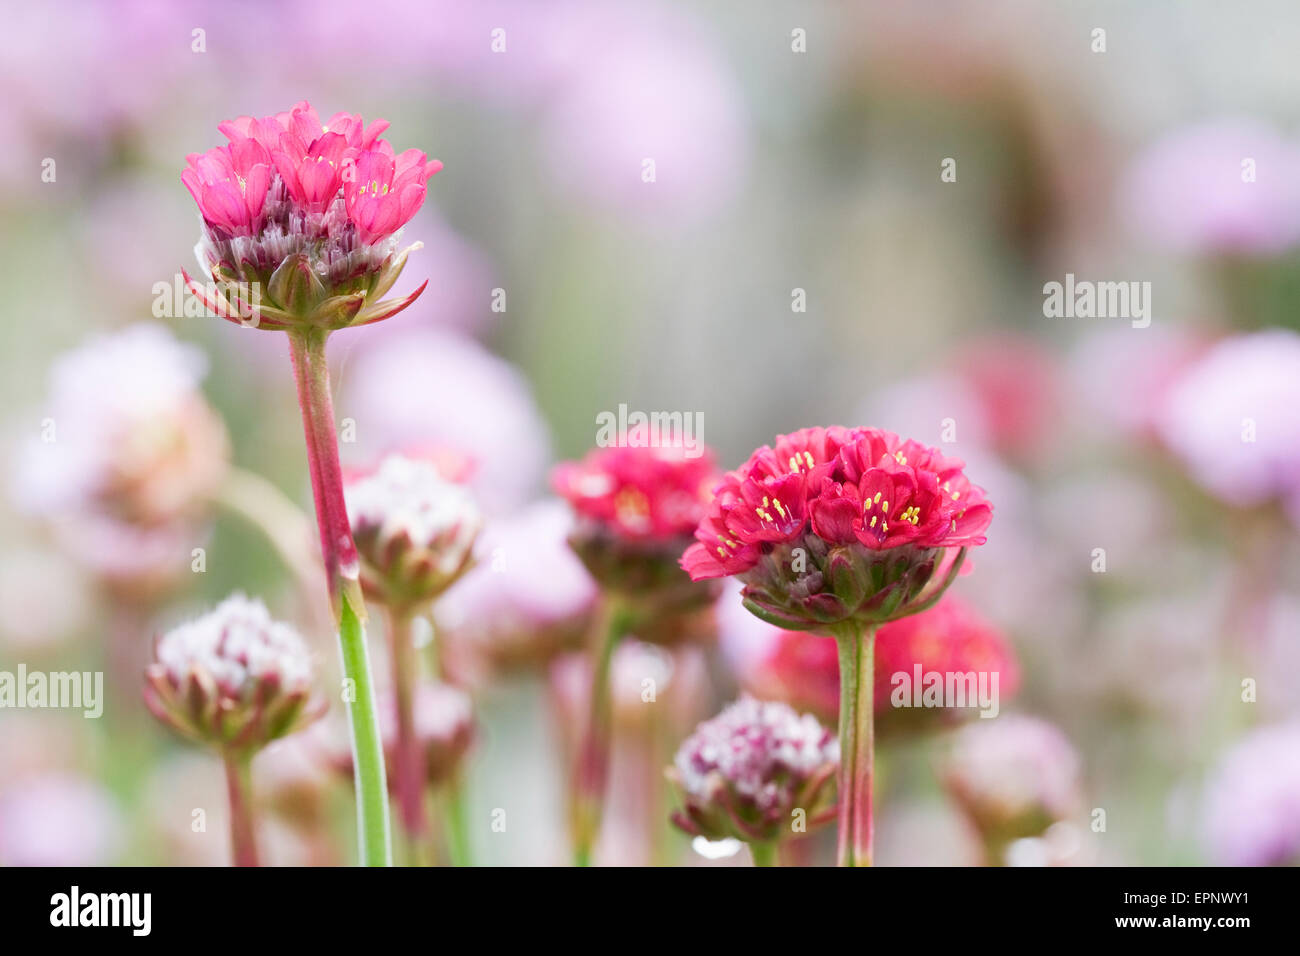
x,y
342,575
857,745
458,848
367,746
592,766
764,854
239,789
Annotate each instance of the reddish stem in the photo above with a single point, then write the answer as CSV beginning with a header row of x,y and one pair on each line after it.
x,y
239,788
410,770
311,374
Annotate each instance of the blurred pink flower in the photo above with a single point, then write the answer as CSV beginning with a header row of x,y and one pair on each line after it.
x,y
647,86
127,457
1190,191
1252,800
1123,375
485,409
1231,417
1013,776
527,598
58,820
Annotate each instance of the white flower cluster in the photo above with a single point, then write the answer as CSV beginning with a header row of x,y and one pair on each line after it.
x,y
409,496
764,750
238,644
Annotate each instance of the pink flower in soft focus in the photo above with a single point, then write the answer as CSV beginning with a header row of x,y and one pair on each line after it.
x,y
230,186
58,820
392,385
1194,192
1001,392
1231,417
234,678
639,492
743,773
951,638
527,598
836,523
131,456
1122,377
1013,776
386,191
301,220
414,530
637,503
645,85
1252,801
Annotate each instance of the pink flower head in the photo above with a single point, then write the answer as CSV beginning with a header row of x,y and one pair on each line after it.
x,y
1013,777
637,492
1223,187
837,523
230,186
744,772
234,678
383,192
636,506
305,213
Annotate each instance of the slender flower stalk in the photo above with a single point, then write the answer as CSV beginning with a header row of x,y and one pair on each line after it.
x,y
838,531
414,531
764,854
234,680
408,760
857,743
343,576
239,789
591,769
301,225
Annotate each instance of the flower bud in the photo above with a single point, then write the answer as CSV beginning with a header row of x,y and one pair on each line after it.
x,y
234,678
414,531
1013,777
748,771
636,507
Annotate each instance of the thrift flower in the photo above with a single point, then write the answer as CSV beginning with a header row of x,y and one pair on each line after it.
x,y
636,504
1252,801
302,219
414,530
1231,417
745,773
1013,777
130,457
233,679
837,531
301,224
839,526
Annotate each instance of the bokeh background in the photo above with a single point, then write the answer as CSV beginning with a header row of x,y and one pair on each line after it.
x,y
796,258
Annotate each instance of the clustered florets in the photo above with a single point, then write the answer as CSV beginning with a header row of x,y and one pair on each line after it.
x,y
745,772
636,507
233,678
836,524
301,219
414,530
